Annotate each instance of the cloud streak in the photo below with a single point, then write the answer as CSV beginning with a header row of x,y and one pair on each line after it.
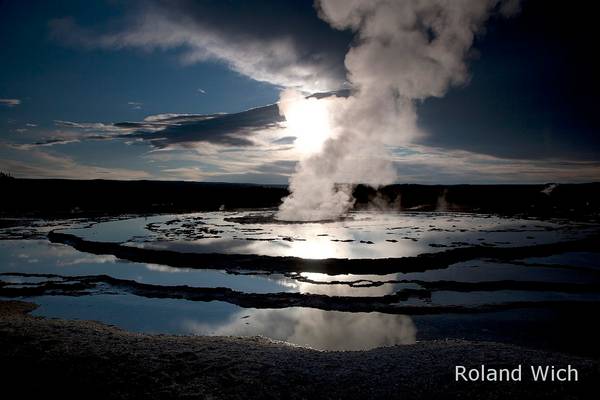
x,y
43,164
231,130
165,131
10,102
272,41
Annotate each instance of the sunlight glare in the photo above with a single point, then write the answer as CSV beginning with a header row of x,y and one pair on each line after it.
x,y
307,119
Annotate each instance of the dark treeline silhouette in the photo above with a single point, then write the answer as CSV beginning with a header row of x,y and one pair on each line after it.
x,y
568,200
56,197
62,196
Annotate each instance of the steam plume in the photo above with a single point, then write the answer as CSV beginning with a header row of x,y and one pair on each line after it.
x,y
405,51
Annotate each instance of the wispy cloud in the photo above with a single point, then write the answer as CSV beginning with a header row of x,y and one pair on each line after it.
x,y
163,131
422,164
135,105
185,173
277,42
65,132
43,164
254,146
10,102
87,126
43,143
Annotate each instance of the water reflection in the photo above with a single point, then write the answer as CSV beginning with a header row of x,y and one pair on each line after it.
x,y
577,259
41,257
563,331
325,330
346,285
363,235
382,235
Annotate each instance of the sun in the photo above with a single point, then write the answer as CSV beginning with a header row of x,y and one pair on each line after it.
x,y
308,119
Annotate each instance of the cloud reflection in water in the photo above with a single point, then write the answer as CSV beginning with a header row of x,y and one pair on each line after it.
x,y
324,330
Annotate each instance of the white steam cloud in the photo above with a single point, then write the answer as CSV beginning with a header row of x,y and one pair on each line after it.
x,y
405,51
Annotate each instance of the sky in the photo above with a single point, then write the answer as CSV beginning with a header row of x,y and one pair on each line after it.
x,y
188,90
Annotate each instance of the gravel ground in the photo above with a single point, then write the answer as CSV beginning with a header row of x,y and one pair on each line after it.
x,y
85,359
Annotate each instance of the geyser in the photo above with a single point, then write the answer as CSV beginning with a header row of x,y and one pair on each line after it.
x,y
404,52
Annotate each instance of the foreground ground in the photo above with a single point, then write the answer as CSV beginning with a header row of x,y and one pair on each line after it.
x,y
87,359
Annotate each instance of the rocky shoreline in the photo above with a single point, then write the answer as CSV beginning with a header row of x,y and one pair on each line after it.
x,y
87,359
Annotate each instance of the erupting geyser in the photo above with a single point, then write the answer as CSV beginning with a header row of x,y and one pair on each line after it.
x,y
404,52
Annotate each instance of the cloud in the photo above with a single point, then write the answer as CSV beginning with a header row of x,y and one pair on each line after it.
x,y
315,328
87,126
135,105
231,130
43,164
282,43
212,147
10,102
260,126
249,177
285,140
44,143
68,132
280,167
185,173
431,165
164,131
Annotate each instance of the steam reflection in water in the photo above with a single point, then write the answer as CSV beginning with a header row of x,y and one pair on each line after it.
x,y
325,330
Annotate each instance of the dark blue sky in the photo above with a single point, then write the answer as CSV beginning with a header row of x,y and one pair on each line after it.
x,y
534,88
62,82
71,70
